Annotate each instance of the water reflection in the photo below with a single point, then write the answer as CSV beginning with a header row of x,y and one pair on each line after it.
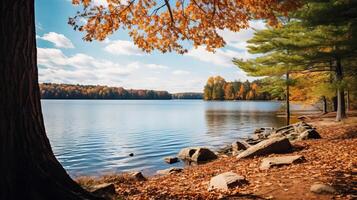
x,y
94,137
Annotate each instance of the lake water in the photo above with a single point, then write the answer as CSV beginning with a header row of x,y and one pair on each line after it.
x,y
93,137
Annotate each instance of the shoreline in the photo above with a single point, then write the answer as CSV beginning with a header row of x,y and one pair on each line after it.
x,y
328,160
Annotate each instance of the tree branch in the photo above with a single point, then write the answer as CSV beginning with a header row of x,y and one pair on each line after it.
x,y
170,11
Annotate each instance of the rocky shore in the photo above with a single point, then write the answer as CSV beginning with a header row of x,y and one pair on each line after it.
x,y
315,159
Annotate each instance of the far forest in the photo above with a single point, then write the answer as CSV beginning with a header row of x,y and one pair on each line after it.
x,y
72,91
217,88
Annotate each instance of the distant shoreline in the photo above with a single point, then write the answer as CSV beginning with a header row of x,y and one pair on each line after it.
x,y
76,91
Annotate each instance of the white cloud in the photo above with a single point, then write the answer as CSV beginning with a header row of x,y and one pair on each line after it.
x,y
235,40
79,68
123,47
59,40
239,39
221,57
180,72
156,66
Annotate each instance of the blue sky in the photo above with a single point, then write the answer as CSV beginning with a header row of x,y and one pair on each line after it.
x,y
63,57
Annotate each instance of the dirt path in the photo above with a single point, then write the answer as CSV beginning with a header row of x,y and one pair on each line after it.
x,y
331,160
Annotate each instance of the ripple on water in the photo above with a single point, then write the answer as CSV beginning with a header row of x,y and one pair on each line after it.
x,y
96,137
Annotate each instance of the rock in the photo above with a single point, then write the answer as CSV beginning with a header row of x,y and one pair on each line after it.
x,y
197,154
269,146
252,141
279,161
301,127
309,134
171,160
239,145
264,130
137,176
106,190
131,154
284,128
226,181
293,136
319,188
171,170
227,150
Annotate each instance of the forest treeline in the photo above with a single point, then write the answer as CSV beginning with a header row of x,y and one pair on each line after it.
x,y
217,88
71,91
187,95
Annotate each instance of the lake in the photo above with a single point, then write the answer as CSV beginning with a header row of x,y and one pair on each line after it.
x,y
94,137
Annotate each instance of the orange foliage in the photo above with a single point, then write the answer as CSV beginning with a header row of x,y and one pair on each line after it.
x,y
165,25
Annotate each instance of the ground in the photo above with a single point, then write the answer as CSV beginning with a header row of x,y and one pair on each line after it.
x,y
331,160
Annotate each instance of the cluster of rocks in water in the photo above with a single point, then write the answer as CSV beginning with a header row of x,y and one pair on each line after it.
x,y
265,141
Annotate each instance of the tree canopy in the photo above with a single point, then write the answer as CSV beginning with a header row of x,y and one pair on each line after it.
x,y
309,41
217,88
166,25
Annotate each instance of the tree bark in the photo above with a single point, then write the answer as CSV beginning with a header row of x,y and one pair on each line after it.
x,y
341,109
28,167
287,100
348,101
334,102
324,105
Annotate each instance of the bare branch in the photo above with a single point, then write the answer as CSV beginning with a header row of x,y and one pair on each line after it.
x,y
170,11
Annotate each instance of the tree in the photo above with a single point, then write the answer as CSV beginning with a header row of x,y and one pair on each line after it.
x,y
276,45
338,21
298,48
27,161
217,88
151,27
228,91
28,167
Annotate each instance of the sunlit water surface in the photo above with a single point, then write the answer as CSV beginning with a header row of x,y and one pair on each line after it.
x,y
94,137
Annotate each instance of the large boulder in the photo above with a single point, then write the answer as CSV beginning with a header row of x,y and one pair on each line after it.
x,y
197,154
267,163
226,181
269,146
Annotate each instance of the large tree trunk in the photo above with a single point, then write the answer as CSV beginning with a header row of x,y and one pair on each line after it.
x,y
28,167
341,109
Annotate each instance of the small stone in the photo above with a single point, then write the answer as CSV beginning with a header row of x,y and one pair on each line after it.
x,y
137,176
104,190
267,163
226,181
171,160
170,170
319,188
